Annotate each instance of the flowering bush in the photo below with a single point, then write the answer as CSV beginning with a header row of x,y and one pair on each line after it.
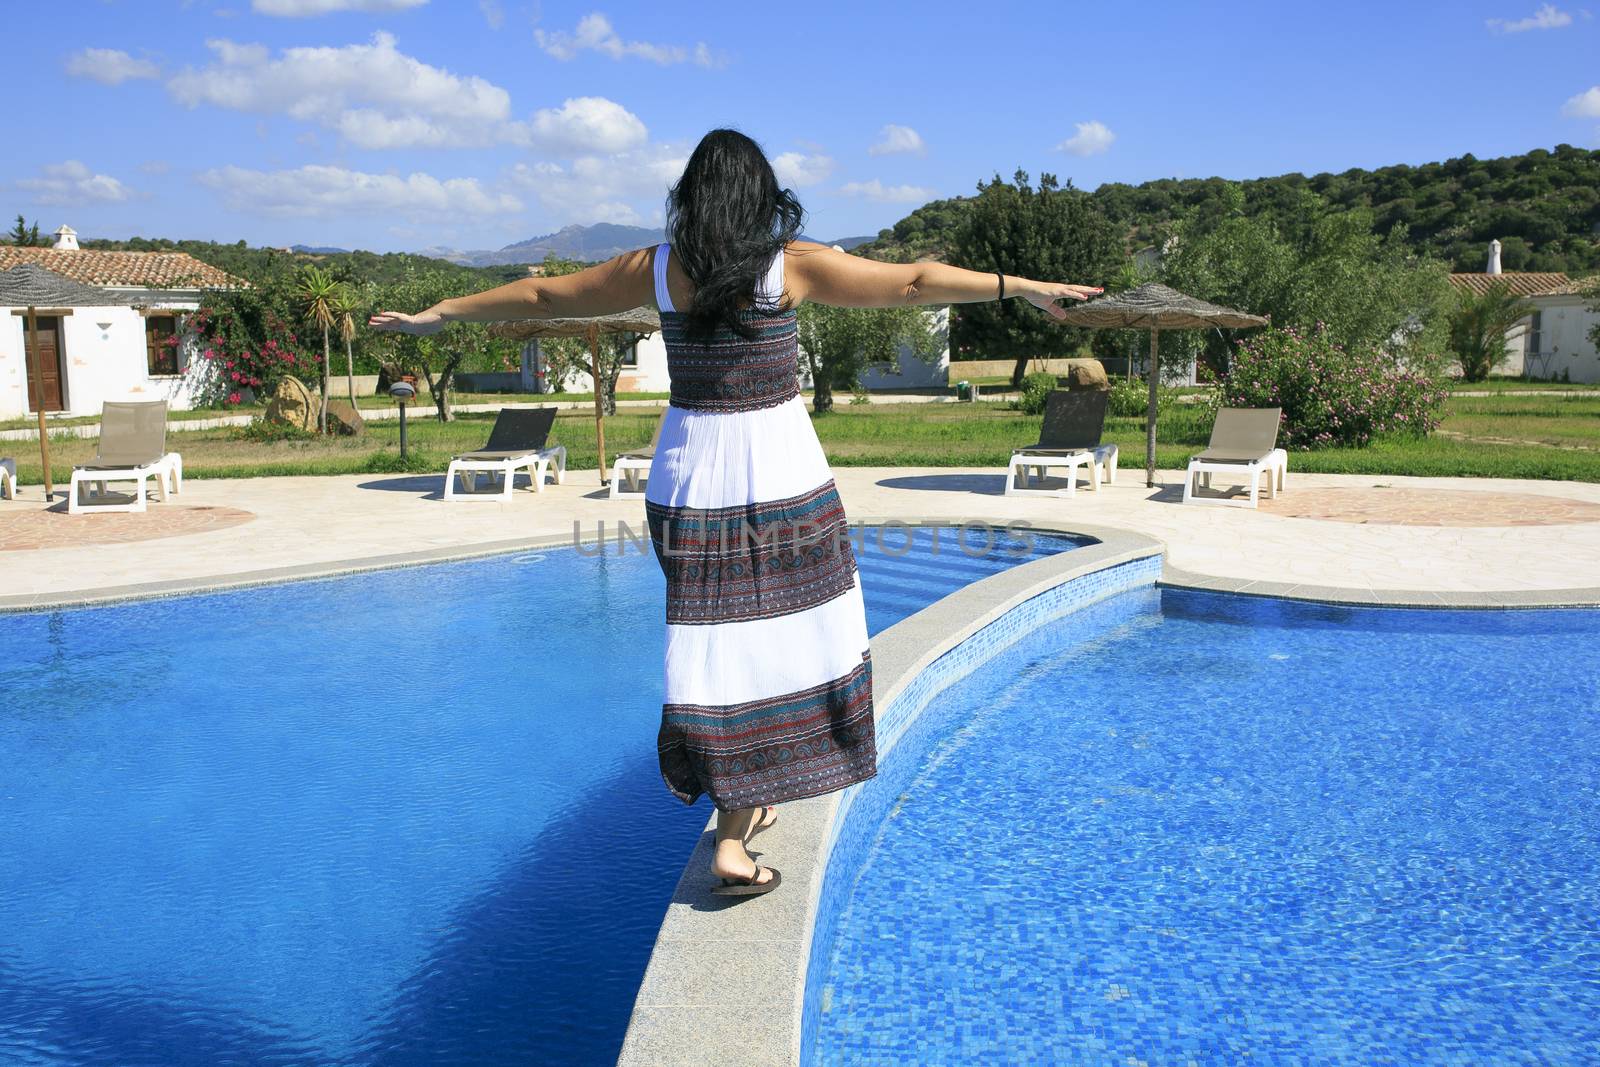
x,y
239,352
1131,400
1036,390
1330,395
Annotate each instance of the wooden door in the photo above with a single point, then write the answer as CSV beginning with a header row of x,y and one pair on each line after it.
x,y
48,357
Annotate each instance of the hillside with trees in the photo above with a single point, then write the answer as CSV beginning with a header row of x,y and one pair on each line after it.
x,y
1544,207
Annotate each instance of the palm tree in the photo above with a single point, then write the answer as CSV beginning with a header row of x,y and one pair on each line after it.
x,y
347,308
1478,329
318,293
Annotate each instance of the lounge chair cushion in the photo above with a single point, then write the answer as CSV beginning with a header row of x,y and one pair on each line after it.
x,y
1073,421
1242,435
485,454
1230,455
519,431
648,452
1042,450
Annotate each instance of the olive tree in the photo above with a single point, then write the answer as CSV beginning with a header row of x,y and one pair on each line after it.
x,y
837,344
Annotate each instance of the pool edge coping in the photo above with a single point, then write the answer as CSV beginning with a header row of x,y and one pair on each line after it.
x,y
762,946
1375,597
1171,577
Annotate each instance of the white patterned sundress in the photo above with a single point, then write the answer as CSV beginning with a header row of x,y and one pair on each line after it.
x,y
768,672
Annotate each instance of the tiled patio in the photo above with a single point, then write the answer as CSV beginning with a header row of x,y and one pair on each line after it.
x,y
1356,533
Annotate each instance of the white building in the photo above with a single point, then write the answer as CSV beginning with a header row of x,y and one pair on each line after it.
x,y
1521,339
911,372
1560,337
105,336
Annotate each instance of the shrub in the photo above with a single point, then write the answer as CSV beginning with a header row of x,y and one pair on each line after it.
x,y
261,431
1331,395
1130,399
240,350
1036,390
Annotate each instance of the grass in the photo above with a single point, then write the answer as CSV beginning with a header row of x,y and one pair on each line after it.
x,y
422,404
1520,385
1500,436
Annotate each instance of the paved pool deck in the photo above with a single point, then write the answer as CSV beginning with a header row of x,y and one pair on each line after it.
x,y
1378,546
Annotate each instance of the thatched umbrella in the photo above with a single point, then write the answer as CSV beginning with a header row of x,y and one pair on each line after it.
x,y
1155,307
31,287
641,320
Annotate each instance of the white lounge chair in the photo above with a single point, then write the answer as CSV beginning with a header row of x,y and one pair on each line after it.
x,y
1070,438
633,467
517,442
8,478
133,447
1243,445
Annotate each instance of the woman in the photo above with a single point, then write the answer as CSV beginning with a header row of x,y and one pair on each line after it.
x,y
769,684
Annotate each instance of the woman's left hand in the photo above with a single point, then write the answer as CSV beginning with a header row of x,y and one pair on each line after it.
x,y
420,324
1043,295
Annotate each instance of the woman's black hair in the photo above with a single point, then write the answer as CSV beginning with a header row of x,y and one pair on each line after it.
x,y
726,218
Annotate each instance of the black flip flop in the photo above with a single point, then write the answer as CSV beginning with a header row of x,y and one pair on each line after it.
x,y
748,887
759,826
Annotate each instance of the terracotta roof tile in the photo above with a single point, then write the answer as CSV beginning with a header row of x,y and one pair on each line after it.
x,y
1575,287
142,270
1521,283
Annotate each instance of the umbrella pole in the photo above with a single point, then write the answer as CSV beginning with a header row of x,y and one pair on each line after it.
x,y
599,417
37,374
1153,373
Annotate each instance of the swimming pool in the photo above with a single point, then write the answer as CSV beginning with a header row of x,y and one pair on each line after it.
x,y
410,816
1180,827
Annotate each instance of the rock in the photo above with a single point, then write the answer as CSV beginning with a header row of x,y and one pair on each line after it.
x,y
1085,375
343,418
292,405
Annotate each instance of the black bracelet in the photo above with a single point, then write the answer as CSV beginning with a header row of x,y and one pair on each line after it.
x,y
1002,278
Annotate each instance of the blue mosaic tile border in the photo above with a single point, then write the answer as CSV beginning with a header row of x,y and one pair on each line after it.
x,y
1098,601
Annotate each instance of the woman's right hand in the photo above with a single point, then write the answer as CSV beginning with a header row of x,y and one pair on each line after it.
x,y
420,324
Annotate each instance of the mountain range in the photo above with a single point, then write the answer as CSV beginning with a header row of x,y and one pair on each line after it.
x,y
587,244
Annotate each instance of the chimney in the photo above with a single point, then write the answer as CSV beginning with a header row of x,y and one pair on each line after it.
x,y
66,240
1494,258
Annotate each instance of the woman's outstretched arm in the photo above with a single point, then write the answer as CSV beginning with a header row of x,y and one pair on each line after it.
x,y
819,273
618,284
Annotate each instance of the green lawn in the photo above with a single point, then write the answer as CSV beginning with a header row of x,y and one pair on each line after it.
x,y
423,403
1520,385
1501,436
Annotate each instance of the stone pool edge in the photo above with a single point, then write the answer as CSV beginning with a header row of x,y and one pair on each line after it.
x,y
305,572
1174,577
727,983
1358,596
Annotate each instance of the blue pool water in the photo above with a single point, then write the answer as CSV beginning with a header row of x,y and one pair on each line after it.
x,y
409,817
1188,828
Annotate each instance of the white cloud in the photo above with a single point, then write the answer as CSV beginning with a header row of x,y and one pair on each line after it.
x,y
587,125
1546,18
888,194
492,13
70,182
798,169
603,188
1586,105
299,9
322,191
109,66
596,34
1092,139
373,94
894,140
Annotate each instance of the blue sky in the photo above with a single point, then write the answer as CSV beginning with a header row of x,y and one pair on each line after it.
x,y
403,124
